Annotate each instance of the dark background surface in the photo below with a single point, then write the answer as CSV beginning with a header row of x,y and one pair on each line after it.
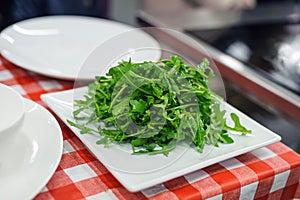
x,y
12,11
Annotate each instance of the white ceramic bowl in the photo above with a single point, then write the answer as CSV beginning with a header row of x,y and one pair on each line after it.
x,y
11,113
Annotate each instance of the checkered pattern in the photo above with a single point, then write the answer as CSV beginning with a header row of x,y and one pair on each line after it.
x,y
272,172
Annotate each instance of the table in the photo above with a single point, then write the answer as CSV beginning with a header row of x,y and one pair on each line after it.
x,y
272,172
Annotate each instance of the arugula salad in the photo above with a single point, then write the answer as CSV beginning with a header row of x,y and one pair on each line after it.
x,y
155,105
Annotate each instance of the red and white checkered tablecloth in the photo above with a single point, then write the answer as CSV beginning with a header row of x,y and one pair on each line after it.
x,y
272,172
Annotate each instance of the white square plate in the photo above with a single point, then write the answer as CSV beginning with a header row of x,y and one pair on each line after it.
x,y
179,162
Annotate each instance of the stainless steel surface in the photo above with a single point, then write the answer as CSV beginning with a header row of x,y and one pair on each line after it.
x,y
180,15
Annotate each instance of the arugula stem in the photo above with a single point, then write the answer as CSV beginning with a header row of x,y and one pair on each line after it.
x,y
143,78
183,106
116,97
102,92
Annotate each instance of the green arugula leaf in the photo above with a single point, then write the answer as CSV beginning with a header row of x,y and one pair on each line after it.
x,y
237,125
83,128
225,138
138,105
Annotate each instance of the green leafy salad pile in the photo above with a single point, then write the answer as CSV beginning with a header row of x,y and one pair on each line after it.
x,y
155,105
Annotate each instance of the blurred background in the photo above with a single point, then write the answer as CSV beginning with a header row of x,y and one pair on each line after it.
x,y
125,10
263,35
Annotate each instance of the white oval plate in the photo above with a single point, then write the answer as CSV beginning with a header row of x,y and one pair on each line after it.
x,y
35,157
57,46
